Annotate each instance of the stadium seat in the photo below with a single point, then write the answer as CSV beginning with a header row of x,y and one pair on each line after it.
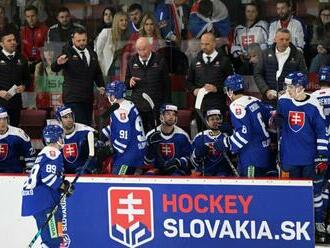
x,y
184,119
33,121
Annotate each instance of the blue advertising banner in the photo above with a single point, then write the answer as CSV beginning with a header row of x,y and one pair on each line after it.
x,y
164,212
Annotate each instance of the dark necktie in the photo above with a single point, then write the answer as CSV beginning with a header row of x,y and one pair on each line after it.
x,y
144,63
208,59
10,57
84,58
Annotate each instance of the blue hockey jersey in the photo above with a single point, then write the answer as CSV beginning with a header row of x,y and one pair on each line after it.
x,y
13,144
214,163
126,135
41,189
303,131
175,145
75,150
250,139
323,96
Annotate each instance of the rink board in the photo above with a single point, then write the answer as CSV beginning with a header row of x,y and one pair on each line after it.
x,y
164,212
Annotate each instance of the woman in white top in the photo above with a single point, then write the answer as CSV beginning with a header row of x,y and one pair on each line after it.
x,y
109,45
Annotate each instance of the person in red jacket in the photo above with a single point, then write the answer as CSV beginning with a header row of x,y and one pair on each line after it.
x,y
33,36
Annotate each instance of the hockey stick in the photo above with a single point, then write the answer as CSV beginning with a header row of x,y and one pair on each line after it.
x,y
152,106
91,154
278,155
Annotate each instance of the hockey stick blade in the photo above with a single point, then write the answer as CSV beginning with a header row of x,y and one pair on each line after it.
x,y
149,100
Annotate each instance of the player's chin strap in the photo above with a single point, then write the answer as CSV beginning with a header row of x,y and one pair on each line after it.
x,y
90,139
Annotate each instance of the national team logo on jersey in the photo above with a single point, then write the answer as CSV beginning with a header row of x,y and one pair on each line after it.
x,y
296,120
70,152
167,150
3,151
131,220
247,39
212,151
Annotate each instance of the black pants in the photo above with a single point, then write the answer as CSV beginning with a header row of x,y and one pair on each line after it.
x,y
14,116
83,112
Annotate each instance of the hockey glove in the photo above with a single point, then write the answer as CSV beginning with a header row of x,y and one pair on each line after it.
x,y
222,144
321,164
171,166
67,188
276,120
202,151
154,138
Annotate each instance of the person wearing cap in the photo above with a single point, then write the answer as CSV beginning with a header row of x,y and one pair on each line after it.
x,y
323,96
207,161
75,150
14,144
14,76
250,138
169,146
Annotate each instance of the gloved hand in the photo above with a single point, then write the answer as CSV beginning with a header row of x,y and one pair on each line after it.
x,y
202,151
154,138
275,120
222,144
171,166
320,164
67,188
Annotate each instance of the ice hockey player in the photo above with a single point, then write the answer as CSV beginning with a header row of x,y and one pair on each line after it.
x,y
125,132
205,158
75,150
43,188
169,146
14,143
250,138
304,142
323,96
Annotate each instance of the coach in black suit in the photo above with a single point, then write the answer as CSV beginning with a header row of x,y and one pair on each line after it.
x,y
81,70
13,71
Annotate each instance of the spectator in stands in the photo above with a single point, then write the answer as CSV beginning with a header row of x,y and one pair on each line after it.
x,y
172,17
147,72
62,31
276,63
150,30
109,45
208,70
209,16
108,14
320,43
33,36
135,13
48,83
14,76
81,70
251,31
287,20
4,23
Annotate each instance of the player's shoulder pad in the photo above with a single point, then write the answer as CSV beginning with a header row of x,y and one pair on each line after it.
x,y
83,127
238,107
321,92
53,26
315,102
50,152
180,131
124,110
18,132
199,135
